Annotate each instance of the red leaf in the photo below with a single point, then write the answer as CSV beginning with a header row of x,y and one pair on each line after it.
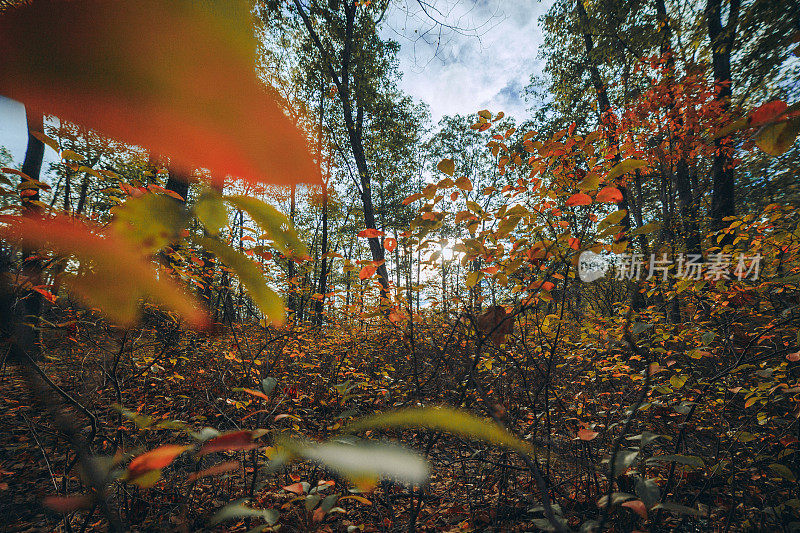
x,y
580,198
574,243
175,77
390,244
637,506
587,434
49,296
66,504
236,440
793,357
609,195
788,441
371,233
367,272
766,113
155,459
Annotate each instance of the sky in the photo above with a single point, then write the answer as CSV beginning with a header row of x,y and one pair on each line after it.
x,y
460,57
485,63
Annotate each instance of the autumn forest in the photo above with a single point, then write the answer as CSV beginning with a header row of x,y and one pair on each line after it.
x,y
251,280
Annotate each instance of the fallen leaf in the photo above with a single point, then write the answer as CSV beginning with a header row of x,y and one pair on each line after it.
x,y
637,506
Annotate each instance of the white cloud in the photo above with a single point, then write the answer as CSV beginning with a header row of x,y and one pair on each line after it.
x,y
13,129
485,66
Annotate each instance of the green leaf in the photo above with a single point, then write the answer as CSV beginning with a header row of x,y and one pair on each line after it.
x,y
211,212
238,510
365,460
624,167
678,509
648,491
251,277
330,501
613,218
784,471
49,141
688,460
272,222
624,460
644,438
444,419
268,385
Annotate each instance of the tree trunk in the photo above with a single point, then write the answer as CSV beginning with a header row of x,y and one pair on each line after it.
x,y
26,331
353,125
722,39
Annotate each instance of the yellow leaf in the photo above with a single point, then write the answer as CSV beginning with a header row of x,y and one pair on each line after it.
x,y
272,221
251,277
447,166
464,183
112,274
678,381
444,419
624,167
777,138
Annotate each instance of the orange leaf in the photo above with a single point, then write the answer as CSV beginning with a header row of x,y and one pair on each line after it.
x,y
587,434
297,488
176,77
236,440
637,506
793,357
215,470
390,244
256,393
49,296
371,233
367,272
119,275
155,459
766,113
580,198
609,195
412,198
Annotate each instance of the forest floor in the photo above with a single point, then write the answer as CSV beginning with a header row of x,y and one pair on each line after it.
x,y
324,378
